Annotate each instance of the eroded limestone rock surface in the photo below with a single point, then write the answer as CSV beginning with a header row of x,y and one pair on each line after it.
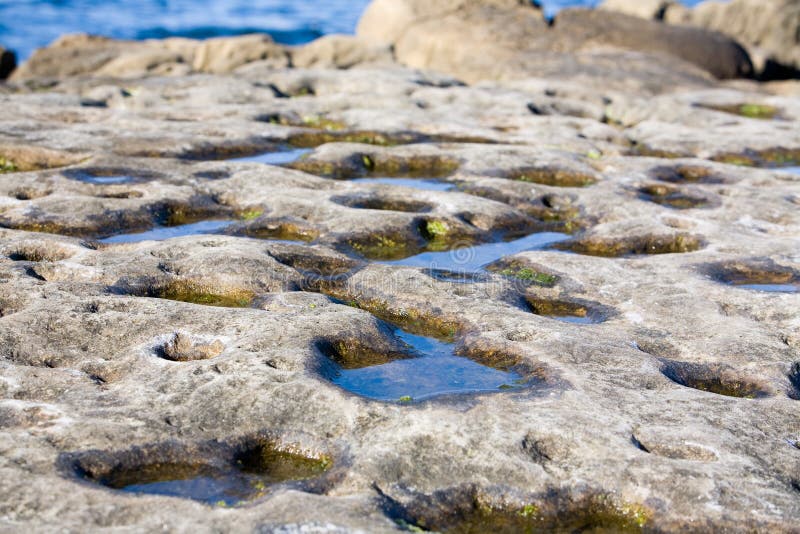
x,y
655,326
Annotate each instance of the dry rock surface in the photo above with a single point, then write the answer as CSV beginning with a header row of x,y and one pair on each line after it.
x,y
629,248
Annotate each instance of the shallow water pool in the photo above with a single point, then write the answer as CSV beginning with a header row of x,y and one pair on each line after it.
x,y
160,233
434,372
425,184
274,158
473,258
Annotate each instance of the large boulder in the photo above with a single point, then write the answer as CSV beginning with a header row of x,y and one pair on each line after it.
x,y
492,39
89,55
224,54
769,28
81,54
386,20
8,62
341,52
711,51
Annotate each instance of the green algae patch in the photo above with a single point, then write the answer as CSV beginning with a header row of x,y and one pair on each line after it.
x,y
435,229
250,214
529,275
748,110
633,245
6,165
553,176
524,272
768,158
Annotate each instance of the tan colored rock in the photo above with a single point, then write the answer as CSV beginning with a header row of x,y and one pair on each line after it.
x,y
71,55
155,61
513,40
226,53
385,21
81,55
340,52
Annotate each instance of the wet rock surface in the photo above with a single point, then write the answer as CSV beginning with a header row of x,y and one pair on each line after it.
x,y
175,320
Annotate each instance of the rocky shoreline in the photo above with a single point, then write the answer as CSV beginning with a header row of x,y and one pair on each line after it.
x,y
208,248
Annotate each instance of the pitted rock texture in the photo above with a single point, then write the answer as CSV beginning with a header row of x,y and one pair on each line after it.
x,y
674,408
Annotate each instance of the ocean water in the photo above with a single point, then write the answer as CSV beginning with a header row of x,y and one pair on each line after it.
x,y
28,24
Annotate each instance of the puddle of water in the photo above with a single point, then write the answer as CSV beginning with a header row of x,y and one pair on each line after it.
x,y
161,233
425,184
201,483
436,371
274,158
473,258
574,319
792,170
771,288
105,180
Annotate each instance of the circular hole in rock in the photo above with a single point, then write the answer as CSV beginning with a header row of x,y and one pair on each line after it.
x,y
214,473
553,176
194,291
404,367
757,275
39,252
717,379
383,203
468,510
109,175
30,193
632,245
686,174
672,197
568,310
